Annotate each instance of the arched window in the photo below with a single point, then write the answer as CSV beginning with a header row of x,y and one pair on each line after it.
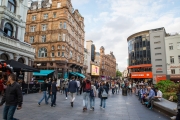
x,y
42,52
12,5
8,29
21,60
4,57
52,48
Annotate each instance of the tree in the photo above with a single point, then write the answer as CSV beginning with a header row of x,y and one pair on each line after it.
x,y
118,74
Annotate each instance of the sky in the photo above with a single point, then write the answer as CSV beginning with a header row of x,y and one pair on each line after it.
x,y
109,23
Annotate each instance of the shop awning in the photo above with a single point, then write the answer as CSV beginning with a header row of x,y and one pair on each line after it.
x,y
77,74
43,73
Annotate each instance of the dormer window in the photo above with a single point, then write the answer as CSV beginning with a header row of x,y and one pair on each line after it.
x,y
12,5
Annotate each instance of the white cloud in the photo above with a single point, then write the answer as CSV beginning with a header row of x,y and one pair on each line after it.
x,y
79,2
126,17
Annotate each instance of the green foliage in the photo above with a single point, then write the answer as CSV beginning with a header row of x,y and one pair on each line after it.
x,y
167,86
118,74
167,95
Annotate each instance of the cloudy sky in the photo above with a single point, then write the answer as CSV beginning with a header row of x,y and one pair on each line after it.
x,y
109,22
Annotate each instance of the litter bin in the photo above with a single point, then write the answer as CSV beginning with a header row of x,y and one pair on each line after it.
x,y
124,91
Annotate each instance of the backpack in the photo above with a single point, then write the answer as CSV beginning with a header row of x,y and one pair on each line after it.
x,y
104,94
92,93
88,86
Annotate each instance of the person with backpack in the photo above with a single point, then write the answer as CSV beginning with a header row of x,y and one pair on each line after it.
x,y
86,93
103,95
92,96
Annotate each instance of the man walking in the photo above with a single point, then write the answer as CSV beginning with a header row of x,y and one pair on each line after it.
x,y
72,89
12,97
86,93
78,84
44,89
53,92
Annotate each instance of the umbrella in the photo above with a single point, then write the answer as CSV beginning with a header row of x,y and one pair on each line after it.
x,y
17,66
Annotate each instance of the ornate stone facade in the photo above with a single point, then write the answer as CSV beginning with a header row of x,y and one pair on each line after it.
x,y
107,64
56,32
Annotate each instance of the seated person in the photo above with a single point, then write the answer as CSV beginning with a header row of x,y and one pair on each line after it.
x,y
150,96
158,97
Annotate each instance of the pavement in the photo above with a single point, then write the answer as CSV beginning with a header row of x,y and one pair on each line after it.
x,y
118,107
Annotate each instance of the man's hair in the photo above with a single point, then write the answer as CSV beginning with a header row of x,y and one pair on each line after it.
x,y
13,77
156,88
72,77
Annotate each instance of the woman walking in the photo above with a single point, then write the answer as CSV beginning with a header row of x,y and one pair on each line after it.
x,y
66,84
103,95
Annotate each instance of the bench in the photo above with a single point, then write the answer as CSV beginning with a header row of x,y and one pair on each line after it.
x,y
166,107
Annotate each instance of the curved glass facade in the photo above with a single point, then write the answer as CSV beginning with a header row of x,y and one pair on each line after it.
x,y
139,50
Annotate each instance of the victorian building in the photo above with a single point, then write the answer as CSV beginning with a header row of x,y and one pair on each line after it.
x,y
12,29
107,65
56,31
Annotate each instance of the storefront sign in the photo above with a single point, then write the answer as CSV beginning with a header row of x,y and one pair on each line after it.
x,y
141,75
160,77
175,66
175,76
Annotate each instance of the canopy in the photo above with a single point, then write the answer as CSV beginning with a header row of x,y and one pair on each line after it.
x,y
77,74
43,73
17,66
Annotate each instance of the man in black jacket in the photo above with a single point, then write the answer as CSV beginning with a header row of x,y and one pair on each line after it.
x,y
44,89
12,97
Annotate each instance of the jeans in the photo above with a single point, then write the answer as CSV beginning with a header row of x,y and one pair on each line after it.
x,y
85,99
53,98
44,97
49,96
113,90
103,103
77,90
152,101
66,91
92,102
8,112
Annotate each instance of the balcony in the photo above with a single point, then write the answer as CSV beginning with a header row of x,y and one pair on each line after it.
x,y
16,46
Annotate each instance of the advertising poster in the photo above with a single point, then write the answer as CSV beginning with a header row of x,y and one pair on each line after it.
x,y
95,70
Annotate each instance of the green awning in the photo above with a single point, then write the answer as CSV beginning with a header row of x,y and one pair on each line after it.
x,y
79,74
43,73
72,73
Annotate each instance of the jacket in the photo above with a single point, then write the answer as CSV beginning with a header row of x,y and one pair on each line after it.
x,y
101,91
13,95
53,87
72,86
178,99
44,86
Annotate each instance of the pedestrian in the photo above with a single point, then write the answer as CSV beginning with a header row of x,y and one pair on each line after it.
x,y
86,93
72,89
113,88
12,97
107,85
53,92
1,86
66,85
43,89
92,96
103,95
49,82
78,84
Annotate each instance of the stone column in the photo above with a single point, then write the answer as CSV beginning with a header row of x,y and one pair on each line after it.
x,y
16,33
2,24
15,57
29,76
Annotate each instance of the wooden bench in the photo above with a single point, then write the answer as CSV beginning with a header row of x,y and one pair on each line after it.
x,y
166,107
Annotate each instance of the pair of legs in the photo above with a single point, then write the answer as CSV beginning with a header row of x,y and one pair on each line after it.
x,y
8,112
85,99
66,92
73,95
49,96
92,102
53,99
113,90
77,90
103,103
152,101
44,97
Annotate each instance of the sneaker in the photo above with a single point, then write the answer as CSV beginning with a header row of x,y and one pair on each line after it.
x,y
91,109
173,118
66,98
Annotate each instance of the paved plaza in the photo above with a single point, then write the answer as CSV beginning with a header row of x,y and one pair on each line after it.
x,y
118,108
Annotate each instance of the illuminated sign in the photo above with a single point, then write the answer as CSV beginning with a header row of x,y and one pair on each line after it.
x,y
141,75
94,70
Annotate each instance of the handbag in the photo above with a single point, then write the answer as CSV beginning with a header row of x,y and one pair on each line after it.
x,y
104,94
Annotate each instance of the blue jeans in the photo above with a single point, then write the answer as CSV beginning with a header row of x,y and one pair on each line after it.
x,y
86,99
8,112
53,98
66,91
49,96
103,103
44,97
113,90
92,102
